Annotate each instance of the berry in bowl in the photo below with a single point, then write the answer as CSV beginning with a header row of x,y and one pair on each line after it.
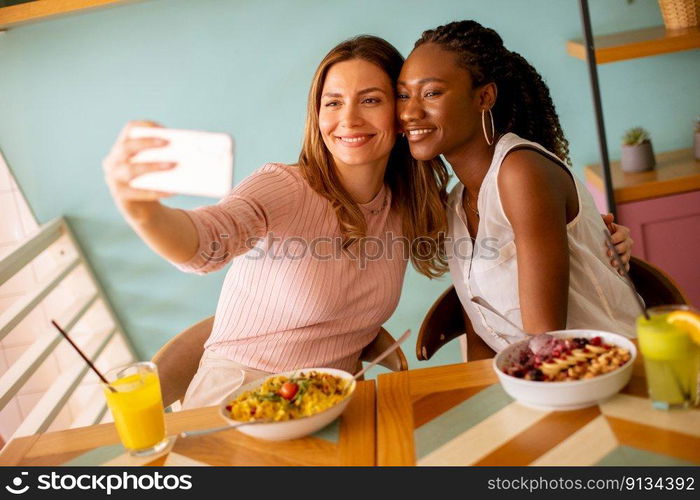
x,y
567,369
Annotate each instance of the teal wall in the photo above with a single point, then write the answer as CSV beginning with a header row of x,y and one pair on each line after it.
x,y
243,67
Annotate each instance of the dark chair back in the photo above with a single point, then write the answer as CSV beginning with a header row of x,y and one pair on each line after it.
x,y
655,286
446,321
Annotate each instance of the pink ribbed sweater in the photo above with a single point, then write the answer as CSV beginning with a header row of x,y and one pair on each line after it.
x,y
294,298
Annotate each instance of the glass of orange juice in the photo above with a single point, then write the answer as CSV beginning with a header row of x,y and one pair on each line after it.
x,y
137,407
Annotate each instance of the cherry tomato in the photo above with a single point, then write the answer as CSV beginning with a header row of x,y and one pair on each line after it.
x,y
288,390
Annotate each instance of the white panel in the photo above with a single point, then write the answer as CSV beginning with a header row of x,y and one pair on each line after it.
x,y
63,296
116,354
85,395
63,420
27,402
26,217
44,264
26,331
21,370
58,253
21,282
6,248
30,247
5,177
97,319
42,378
10,224
6,301
23,306
49,360
80,280
12,354
55,398
92,415
64,352
62,248
3,363
10,419
91,409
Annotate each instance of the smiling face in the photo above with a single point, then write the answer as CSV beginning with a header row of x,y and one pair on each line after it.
x,y
356,116
438,109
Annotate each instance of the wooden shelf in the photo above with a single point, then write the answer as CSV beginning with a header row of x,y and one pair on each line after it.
x,y
23,13
675,172
637,43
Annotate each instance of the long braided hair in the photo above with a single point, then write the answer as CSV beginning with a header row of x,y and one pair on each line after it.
x,y
523,105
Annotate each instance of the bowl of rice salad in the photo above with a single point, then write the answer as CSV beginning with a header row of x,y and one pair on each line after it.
x,y
566,369
289,405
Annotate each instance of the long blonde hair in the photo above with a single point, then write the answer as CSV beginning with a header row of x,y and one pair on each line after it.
x,y
419,188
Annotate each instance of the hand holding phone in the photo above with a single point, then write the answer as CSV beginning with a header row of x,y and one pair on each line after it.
x,y
204,162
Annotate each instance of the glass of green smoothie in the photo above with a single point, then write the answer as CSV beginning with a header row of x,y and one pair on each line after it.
x,y
671,355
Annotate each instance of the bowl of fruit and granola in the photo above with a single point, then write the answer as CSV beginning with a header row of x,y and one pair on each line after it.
x,y
566,369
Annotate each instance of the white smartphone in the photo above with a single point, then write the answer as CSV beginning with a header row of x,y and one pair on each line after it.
x,y
204,162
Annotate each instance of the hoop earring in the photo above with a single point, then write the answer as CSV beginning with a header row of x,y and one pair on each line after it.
x,y
483,126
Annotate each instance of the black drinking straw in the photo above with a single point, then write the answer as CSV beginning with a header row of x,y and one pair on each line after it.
x,y
611,246
623,270
87,360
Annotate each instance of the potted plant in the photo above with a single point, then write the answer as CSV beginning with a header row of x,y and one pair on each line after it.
x,y
637,154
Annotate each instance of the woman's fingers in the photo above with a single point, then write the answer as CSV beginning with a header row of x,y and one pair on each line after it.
x,y
609,219
624,250
144,123
623,243
623,246
119,171
124,133
124,147
127,193
146,195
131,147
125,172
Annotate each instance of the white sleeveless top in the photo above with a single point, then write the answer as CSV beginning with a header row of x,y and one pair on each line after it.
x,y
599,298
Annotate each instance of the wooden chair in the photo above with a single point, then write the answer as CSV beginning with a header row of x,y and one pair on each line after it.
x,y
178,359
655,286
446,319
444,322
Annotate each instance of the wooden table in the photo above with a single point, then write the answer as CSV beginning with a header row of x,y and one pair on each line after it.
x,y
460,415
348,441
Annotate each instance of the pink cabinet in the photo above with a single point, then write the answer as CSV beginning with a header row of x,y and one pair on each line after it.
x,y
666,232
662,210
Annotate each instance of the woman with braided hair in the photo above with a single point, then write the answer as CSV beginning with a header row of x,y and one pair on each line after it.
x,y
526,245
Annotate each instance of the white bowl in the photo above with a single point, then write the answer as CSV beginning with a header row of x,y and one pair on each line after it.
x,y
565,395
290,429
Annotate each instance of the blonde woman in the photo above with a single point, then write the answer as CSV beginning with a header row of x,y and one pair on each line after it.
x,y
318,249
